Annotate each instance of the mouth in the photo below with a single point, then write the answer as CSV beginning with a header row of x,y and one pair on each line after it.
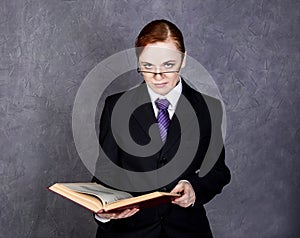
x,y
160,85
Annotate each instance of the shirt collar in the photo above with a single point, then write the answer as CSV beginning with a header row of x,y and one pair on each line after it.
x,y
172,96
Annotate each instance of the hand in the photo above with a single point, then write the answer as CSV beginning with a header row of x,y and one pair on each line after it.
x,y
188,194
118,215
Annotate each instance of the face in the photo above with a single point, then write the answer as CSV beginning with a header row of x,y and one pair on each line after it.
x,y
160,63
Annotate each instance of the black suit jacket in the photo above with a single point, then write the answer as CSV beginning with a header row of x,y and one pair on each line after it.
x,y
168,220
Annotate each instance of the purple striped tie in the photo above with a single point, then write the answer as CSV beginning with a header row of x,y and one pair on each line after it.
x,y
163,119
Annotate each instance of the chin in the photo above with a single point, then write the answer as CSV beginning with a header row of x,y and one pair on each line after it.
x,y
162,91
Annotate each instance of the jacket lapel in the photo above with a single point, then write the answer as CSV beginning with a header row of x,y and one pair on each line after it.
x,y
145,117
176,128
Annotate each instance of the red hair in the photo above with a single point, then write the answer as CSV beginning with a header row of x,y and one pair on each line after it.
x,y
159,31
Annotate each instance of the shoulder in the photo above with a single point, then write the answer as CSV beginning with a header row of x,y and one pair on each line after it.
x,y
198,99
112,99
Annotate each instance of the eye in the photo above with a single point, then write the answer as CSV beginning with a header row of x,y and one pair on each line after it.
x,y
169,65
148,66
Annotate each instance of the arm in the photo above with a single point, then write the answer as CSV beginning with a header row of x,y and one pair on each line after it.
x,y
109,146
207,187
202,189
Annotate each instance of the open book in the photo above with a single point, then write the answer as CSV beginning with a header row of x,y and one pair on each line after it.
x,y
98,198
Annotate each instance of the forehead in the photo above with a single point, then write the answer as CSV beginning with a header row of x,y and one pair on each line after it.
x,y
160,52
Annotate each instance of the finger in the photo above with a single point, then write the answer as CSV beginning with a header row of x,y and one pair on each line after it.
x,y
185,200
182,187
132,212
127,213
107,215
122,214
182,198
181,202
184,203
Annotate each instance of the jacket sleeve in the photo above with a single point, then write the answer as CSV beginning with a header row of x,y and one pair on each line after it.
x,y
109,147
211,184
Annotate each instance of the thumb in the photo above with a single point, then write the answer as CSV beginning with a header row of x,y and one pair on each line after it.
x,y
178,188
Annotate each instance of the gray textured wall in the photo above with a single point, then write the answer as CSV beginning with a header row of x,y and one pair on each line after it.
x,y
251,48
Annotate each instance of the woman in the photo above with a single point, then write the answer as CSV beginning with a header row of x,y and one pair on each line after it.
x,y
161,55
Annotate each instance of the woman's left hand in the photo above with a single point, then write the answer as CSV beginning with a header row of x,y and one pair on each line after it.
x,y
188,194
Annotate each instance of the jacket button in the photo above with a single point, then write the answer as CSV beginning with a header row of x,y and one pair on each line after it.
x,y
163,160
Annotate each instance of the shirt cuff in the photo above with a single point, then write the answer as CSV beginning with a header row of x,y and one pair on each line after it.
x,y
103,220
183,180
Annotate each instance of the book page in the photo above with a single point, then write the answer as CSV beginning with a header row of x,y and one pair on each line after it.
x,y
106,195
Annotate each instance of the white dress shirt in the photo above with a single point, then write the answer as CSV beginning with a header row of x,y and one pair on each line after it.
x,y
172,97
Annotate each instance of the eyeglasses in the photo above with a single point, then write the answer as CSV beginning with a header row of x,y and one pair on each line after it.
x,y
151,73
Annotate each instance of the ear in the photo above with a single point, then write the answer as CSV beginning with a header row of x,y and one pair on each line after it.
x,y
183,60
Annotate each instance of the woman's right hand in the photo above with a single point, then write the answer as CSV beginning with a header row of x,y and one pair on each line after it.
x,y
118,215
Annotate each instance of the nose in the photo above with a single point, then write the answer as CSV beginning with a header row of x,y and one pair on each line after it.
x,y
158,75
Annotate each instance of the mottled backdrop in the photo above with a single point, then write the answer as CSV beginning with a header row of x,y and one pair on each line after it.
x,y
251,48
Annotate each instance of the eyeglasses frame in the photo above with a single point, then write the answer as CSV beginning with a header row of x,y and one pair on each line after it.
x,y
155,73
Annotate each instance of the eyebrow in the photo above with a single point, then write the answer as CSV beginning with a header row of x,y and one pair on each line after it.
x,y
168,61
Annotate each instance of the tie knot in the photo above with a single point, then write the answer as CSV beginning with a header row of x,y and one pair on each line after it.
x,y
162,104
